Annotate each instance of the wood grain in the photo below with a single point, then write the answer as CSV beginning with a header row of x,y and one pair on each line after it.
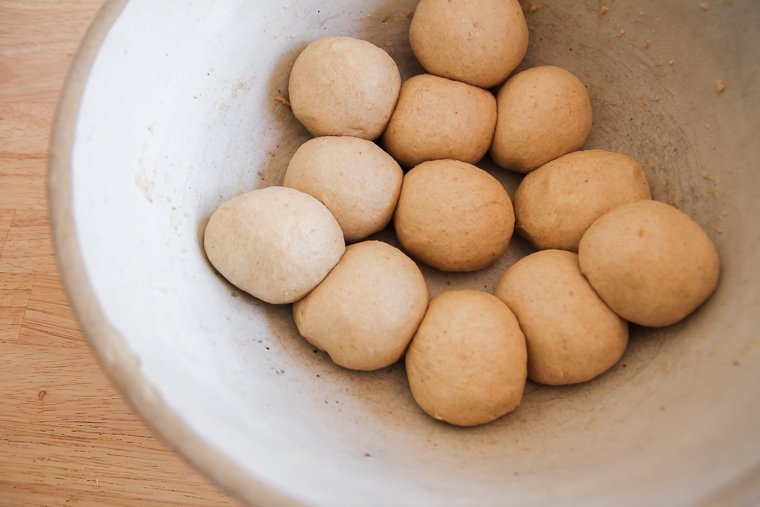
x,y
66,436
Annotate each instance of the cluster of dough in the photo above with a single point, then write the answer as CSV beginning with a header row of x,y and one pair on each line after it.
x,y
608,254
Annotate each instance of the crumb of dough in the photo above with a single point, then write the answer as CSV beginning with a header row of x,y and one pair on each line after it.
x,y
656,98
647,43
532,8
704,6
720,86
713,182
620,33
603,9
282,100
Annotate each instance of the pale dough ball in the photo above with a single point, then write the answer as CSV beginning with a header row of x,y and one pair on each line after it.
x,y
367,309
275,243
572,335
476,42
467,362
340,86
556,203
357,181
437,118
543,113
453,216
651,263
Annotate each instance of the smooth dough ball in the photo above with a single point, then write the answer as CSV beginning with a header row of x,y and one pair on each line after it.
x,y
357,181
275,243
367,309
651,263
340,86
476,42
556,203
467,362
453,216
572,335
437,118
543,113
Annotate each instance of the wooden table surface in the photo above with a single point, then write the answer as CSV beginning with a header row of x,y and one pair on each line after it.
x,y
66,436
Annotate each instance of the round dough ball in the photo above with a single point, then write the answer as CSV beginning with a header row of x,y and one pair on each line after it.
x,y
544,112
467,362
572,335
453,216
437,118
340,86
651,263
357,181
556,203
478,43
275,243
367,309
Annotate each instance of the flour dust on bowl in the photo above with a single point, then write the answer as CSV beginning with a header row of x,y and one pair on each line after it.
x,y
173,108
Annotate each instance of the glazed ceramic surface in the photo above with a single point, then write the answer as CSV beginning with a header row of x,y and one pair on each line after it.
x,y
174,107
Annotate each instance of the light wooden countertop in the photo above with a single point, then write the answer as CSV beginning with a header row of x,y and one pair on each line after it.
x,y
66,436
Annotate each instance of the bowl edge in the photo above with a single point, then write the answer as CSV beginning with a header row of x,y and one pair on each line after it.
x,y
119,363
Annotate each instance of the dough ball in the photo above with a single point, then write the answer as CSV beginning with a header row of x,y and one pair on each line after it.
x,y
275,243
453,216
572,335
476,42
367,309
437,118
340,86
544,112
556,203
467,362
650,262
357,181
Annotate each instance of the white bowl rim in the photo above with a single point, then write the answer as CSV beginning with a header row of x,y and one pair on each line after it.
x,y
110,347
115,357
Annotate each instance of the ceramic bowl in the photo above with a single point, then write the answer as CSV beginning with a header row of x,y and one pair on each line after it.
x,y
173,107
